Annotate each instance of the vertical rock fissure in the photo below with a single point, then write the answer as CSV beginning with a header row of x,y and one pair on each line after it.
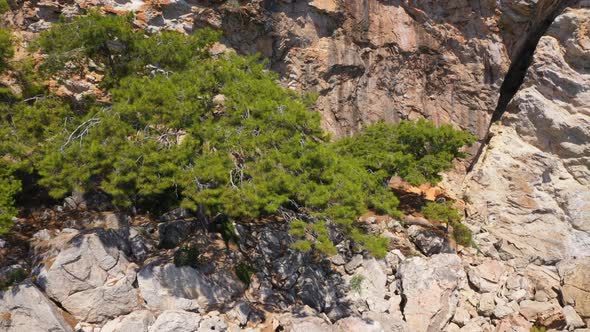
x,y
521,61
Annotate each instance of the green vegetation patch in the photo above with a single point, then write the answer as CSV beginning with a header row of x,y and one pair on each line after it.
x,y
216,135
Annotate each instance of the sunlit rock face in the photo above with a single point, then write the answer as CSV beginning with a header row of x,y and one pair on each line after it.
x,y
531,188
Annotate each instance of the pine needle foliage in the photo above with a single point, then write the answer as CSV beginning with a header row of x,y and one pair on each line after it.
x,y
165,140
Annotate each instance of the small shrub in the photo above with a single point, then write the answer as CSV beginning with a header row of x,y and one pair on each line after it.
x,y
12,278
4,6
462,234
244,273
6,47
187,256
356,282
302,245
442,212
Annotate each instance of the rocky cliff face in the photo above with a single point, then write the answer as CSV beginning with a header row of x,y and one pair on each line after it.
x,y
530,189
525,63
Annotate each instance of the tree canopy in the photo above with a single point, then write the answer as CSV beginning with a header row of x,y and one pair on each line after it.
x,y
216,135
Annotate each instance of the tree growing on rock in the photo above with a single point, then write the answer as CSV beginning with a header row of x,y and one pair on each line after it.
x,y
216,135
447,214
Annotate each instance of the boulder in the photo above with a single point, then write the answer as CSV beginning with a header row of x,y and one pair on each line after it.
x,y
428,241
532,309
176,321
391,322
26,308
239,313
356,324
486,304
430,287
167,287
572,319
137,321
488,276
372,289
575,289
172,233
308,324
91,277
513,323
353,264
212,323
552,319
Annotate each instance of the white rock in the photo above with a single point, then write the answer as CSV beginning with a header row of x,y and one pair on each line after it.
x,y
137,321
185,288
91,277
431,289
487,277
572,318
486,304
531,309
28,310
176,321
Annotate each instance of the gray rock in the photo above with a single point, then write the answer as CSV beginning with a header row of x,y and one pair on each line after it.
x,y
138,244
42,235
172,233
25,308
572,318
504,309
137,321
356,324
239,313
176,321
430,287
209,324
373,289
429,242
91,277
390,322
352,265
486,304
313,290
169,287
488,276
337,260
531,309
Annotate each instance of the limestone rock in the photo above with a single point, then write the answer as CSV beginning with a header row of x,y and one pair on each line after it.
x,y
136,321
356,324
532,309
373,286
513,323
355,262
573,320
575,275
176,321
91,277
167,287
25,308
430,287
487,276
530,187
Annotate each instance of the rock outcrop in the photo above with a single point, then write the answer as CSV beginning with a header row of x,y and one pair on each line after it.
x,y
167,287
530,190
91,277
430,288
26,308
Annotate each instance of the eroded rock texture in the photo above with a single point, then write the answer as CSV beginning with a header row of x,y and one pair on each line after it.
x,y
531,188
